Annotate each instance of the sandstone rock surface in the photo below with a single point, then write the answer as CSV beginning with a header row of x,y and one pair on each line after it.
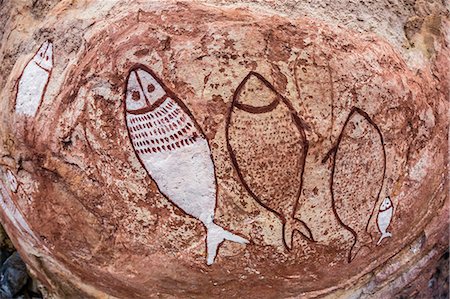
x,y
215,149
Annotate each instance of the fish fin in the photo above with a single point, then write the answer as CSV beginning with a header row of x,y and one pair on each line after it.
x,y
292,225
215,236
384,235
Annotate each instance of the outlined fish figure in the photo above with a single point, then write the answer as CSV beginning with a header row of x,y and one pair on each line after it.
x,y
267,145
357,175
34,80
384,218
174,151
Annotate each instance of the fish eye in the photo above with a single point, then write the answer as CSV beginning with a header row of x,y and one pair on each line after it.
x,y
46,57
41,54
150,87
135,95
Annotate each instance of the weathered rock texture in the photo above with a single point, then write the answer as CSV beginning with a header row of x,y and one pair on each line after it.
x,y
326,128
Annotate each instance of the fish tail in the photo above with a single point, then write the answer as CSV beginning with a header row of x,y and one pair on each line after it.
x,y
356,247
384,235
292,225
215,236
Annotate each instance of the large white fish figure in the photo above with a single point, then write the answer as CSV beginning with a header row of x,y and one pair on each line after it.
x,y
34,80
174,151
384,218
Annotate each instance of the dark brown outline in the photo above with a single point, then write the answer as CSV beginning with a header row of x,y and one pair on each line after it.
x,y
301,126
333,153
46,84
257,110
149,107
172,95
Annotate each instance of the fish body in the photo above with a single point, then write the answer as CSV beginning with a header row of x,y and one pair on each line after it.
x,y
268,147
34,80
384,218
358,172
174,151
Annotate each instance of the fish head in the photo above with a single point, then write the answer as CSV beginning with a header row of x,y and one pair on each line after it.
x,y
44,56
256,93
386,204
143,90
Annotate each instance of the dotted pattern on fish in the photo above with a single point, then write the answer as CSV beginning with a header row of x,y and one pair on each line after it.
x,y
174,152
358,173
268,147
165,128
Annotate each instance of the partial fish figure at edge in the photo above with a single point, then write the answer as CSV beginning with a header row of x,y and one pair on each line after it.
x,y
174,151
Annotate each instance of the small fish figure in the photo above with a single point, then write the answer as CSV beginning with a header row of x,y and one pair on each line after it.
x,y
34,80
384,218
174,151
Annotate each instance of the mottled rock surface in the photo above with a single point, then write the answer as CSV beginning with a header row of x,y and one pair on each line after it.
x,y
136,136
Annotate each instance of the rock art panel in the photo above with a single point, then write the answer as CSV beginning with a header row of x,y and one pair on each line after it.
x,y
267,144
174,151
359,166
384,218
33,82
131,161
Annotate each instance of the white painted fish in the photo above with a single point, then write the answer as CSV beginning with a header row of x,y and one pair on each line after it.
x,y
384,218
174,151
34,80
